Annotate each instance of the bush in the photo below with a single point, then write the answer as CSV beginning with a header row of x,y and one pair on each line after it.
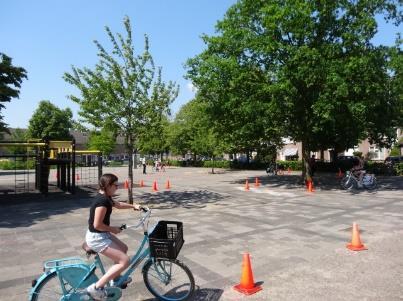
x,y
399,169
217,164
378,168
293,165
115,163
11,165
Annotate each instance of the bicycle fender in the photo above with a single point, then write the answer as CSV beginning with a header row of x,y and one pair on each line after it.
x,y
36,283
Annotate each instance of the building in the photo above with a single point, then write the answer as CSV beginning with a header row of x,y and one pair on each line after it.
x,y
293,150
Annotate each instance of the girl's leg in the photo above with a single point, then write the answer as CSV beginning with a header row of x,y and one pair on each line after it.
x,y
121,245
121,263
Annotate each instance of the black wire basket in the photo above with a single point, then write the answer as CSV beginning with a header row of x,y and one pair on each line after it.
x,y
166,240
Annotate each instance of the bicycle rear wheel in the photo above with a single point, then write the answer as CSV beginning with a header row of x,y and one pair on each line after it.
x,y
168,279
70,282
50,289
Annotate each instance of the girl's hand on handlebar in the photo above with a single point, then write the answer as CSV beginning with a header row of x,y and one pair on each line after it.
x,y
116,230
142,208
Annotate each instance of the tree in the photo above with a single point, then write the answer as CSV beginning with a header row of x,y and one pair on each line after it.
x,y
192,130
103,141
17,135
237,99
124,93
50,122
154,139
318,76
10,83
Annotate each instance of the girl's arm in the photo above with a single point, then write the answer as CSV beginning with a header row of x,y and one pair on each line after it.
x,y
122,205
99,221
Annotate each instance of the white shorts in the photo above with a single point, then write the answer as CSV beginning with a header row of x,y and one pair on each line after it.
x,y
98,241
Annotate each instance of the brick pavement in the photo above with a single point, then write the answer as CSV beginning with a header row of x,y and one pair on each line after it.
x,y
296,239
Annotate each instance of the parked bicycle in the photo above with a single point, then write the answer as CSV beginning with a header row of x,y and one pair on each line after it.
x,y
351,181
275,169
165,277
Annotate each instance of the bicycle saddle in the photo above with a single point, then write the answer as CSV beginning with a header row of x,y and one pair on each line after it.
x,y
87,249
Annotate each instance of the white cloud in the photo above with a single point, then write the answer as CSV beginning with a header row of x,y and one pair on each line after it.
x,y
191,87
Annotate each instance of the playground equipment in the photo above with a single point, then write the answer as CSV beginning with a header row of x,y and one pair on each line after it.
x,y
44,153
22,158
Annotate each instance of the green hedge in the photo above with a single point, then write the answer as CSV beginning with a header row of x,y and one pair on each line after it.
x,y
293,165
399,169
378,168
217,164
11,165
115,163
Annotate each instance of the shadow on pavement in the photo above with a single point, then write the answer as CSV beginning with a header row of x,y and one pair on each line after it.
x,y
24,210
185,199
324,181
204,294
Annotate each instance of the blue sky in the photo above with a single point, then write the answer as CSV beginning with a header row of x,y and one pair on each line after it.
x,y
46,37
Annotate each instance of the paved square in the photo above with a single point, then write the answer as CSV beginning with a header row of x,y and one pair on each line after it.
x,y
296,239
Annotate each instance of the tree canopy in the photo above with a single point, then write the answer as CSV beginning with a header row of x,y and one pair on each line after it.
x,y
50,122
104,141
192,131
302,69
10,83
124,93
153,139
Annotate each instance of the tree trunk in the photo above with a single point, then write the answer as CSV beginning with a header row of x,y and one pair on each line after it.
x,y
212,167
130,190
306,169
129,148
335,152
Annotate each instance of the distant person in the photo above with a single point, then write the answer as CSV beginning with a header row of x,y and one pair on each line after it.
x,y
358,170
143,161
312,164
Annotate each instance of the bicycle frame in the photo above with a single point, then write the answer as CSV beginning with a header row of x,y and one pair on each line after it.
x,y
87,275
135,260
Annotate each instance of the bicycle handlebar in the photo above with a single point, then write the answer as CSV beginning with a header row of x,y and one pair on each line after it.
x,y
146,214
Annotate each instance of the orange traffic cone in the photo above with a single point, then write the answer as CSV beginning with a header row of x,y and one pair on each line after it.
x,y
155,188
257,182
246,185
356,244
141,183
247,285
126,185
168,185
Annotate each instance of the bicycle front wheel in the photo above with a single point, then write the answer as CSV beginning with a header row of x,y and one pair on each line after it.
x,y
168,279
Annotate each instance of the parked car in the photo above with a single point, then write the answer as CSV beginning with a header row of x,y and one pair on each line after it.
x,y
345,162
392,160
345,158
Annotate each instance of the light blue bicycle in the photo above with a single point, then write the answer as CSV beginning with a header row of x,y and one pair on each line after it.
x,y
165,277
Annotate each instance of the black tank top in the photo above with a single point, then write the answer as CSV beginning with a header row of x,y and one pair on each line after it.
x,y
100,201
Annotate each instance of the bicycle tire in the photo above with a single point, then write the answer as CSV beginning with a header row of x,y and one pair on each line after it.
x,y
347,183
168,291
53,289
50,287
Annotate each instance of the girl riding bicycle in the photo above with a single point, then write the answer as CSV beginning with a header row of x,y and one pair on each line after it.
x,y
101,237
